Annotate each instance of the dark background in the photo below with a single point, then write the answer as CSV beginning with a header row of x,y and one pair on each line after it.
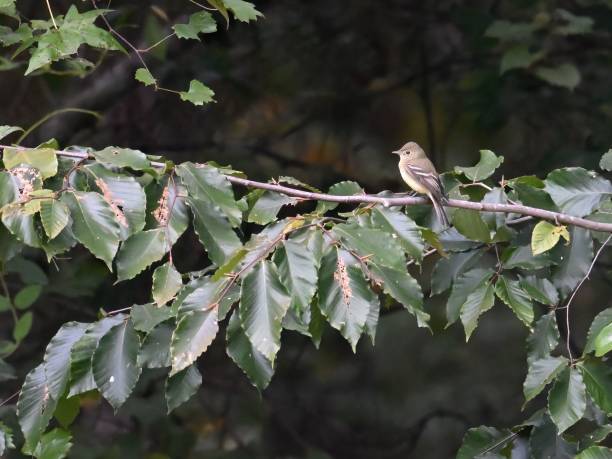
x,y
323,91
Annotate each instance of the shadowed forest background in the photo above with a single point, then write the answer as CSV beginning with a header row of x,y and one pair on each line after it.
x,y
324,91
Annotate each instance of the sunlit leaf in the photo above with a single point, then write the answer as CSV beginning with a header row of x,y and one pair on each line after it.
x,y
54,445
200,22
242,10
43,159
54,215
198,93
487,165
546,235
144,76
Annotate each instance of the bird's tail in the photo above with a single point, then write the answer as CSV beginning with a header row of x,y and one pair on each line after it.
x,y
440,211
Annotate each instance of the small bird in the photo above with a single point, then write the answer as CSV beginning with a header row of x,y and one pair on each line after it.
x,y
420,175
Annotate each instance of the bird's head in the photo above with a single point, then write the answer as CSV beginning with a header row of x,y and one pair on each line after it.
x,y
411,150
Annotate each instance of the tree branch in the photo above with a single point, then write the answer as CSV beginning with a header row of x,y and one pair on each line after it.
x,y
556,217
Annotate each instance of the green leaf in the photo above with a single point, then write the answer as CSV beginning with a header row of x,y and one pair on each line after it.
x,y
6,438
124,195
448,269
43,159
198,93
166,283
534,197
57,357
253,363
544,338
462,287
541,372
469,223
81,375
194,332
400,226
540,289
123,157
207,183
27,296
94,224
577,191
565,75
511,293
567,399
54,215
22,327
546,235
145,317
480,440
200,22
267,207
155,350
5,131
204,293
598,380
115,363
344,295
263,304
404,289
489,161
522,257
600,322
595,452
144,76
214,231
35,407
576,259
21,225
545,442
603,341
518,57
510,31
182,386
243,11
346,188
67,410
375,245
139,252
477,302
166,210
605,162
54,445
297,268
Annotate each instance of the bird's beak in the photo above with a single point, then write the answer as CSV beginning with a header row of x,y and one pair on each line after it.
x,y
396,152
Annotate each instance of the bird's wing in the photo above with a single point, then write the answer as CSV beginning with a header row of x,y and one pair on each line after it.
x,y
430,180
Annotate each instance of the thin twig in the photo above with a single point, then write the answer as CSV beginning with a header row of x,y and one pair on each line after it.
x,y
569,302
11,397
48,116
51,14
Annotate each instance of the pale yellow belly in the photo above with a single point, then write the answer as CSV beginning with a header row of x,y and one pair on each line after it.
x,y
416,186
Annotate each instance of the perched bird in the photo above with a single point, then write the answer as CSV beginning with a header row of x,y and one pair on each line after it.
x,y
420,175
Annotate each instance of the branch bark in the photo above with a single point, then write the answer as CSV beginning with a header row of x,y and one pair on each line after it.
x,y
557,217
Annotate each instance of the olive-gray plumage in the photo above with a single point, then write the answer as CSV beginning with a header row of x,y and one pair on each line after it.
x,y
420,174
